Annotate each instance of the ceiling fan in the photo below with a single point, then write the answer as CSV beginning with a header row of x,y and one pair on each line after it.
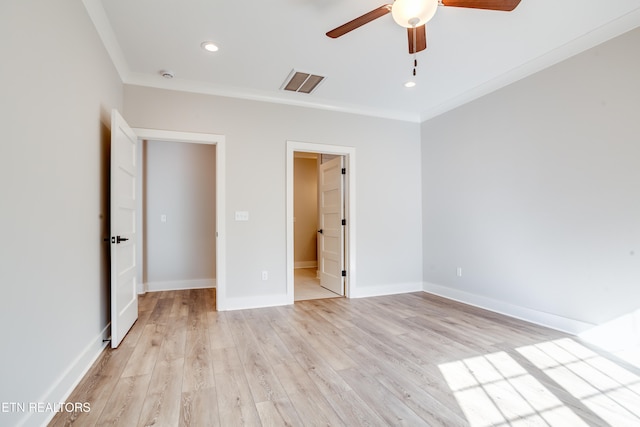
x,y
414,14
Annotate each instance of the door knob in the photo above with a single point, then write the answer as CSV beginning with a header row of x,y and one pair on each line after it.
x,y
121,239
320,231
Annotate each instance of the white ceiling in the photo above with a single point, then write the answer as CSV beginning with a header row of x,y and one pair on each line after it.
x,y
470,52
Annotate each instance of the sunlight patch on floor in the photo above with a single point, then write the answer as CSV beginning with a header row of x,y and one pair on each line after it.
x,y
619,336
495,390
607,389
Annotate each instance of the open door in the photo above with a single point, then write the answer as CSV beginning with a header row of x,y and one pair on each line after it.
x,y
331,232
124,296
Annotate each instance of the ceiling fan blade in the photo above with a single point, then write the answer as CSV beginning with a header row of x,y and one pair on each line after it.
x,y
420,38
504,5
359,21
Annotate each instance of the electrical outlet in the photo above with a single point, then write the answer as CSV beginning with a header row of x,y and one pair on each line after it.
x,y
459,271
265,275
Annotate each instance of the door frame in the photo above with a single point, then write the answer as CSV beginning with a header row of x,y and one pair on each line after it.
x,y
199,138
349,154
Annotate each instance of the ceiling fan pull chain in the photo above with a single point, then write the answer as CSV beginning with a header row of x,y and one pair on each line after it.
x,y
415,48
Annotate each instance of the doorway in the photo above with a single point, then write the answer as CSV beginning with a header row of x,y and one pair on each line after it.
x,y
217,190
309,237
179,213
331,260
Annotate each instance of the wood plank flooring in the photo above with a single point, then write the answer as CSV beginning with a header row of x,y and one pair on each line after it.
x,y
411,360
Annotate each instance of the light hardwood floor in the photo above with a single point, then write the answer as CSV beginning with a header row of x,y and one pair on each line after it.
x,y
411,359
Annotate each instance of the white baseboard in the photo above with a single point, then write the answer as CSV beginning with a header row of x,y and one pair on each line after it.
x,y
178,285
62,388
241,303
541,318
390,289
305,264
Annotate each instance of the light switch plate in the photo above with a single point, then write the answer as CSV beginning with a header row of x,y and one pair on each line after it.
x,y
242,216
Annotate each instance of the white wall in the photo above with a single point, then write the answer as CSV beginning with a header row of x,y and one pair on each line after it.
x,y
58,88
534,191
388,250
180,183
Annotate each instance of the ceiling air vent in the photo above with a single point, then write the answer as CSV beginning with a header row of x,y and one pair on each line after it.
x,y
301,82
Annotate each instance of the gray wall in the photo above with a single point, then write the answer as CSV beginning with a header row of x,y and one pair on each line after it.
x,y
58,88
180,182
388,249
534,191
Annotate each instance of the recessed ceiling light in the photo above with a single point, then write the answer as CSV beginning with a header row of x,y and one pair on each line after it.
x,y
209,46
167,74
410,84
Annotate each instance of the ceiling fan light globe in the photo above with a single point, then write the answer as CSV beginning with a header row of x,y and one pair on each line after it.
x,y
413,13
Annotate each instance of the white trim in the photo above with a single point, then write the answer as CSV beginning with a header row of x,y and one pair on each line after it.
x,y
174,136
101,22
179,285
349,154
389,289
221,227
69,379
219,142
594,37
548,320
282,98
258,301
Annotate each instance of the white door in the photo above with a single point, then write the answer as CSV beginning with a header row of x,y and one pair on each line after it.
x,y
124,297
331,232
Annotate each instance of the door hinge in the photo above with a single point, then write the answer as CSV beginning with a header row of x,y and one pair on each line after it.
x,y
344,171
344,222
344,273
